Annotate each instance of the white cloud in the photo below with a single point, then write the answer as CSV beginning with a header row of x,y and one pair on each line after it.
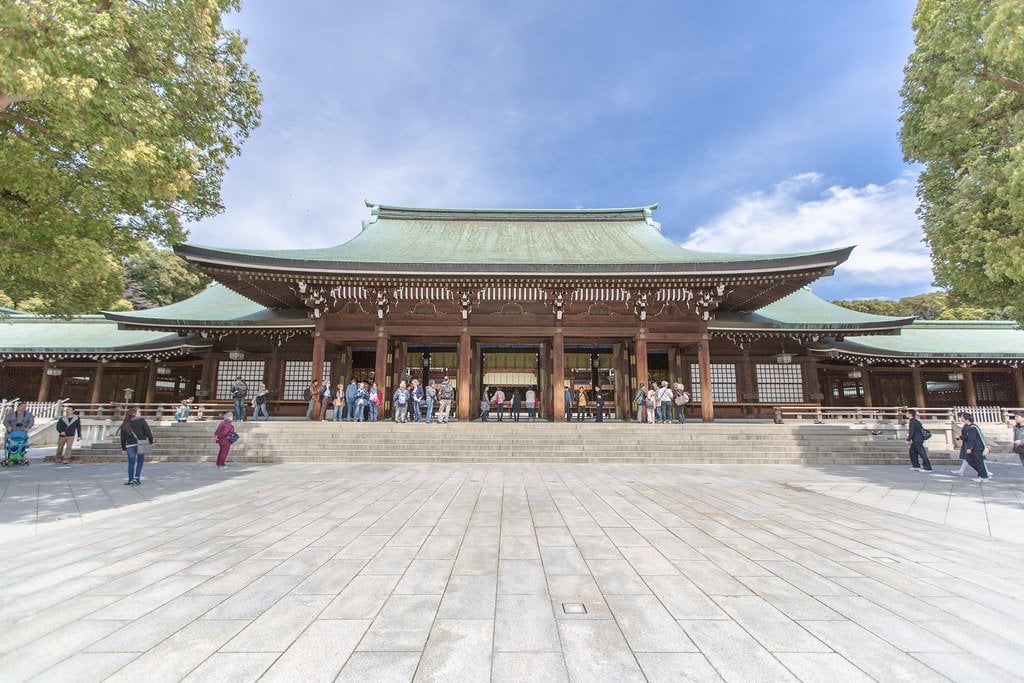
x,y
800,214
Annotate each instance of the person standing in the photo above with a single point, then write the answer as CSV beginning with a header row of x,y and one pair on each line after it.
x,y
915,441
339,403
598,406
136,440
310,393
517,405
975,443
639,399
415,400
431,399
20,419
498,400
362,395
374,395
681,398
581,404
326,400
401,399
568,404
224,435
239,392
1018,436
485,403
665,396
259,403
69,426
350,398
651,403
445,393
531,404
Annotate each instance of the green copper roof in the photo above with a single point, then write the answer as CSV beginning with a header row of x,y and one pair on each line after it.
x,y
215,306
942,339
503,239
804,310
27,335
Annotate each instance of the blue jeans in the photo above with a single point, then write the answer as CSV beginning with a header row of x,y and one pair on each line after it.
x,y
373,411
309,410
339,413
240,409
430,409
682,414
666,411
415,410
134,462
260,407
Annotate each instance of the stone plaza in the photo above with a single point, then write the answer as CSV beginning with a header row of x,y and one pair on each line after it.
x,y
366,572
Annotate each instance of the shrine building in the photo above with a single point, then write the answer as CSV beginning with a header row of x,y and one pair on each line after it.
x,y
586,298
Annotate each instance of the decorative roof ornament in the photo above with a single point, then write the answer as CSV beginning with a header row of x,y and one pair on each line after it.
x,y
649,216
374,214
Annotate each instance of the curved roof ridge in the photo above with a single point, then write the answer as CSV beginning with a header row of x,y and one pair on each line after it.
x,y
415,213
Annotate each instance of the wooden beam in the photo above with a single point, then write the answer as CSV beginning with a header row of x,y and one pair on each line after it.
x,y
970,393
151,383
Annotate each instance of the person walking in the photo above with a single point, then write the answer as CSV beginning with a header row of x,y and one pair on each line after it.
x,y
374,395
259,403
350,399
1018,436
224,435
136,440
339,403
239,392
975,447
531,404
401,399
310,393
639,399
517,405
963,446
431,399
598,406
681,397
445,393
581,404
485,403
69,426
498,401
915,442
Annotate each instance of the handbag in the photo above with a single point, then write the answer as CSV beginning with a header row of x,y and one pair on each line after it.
x,y
143,447
232,437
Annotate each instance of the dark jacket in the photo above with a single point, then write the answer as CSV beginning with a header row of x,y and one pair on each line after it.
x,y
915,432
69,426
973,440
138,428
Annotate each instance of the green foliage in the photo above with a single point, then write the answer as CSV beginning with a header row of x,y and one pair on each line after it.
x,y
6,301
121,305
160,277
928,306
117,119
963,119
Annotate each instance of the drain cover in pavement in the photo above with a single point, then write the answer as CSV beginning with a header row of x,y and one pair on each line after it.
x,y
574,608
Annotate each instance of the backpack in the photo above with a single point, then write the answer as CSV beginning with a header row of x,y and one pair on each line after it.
x,y
306,394
401,397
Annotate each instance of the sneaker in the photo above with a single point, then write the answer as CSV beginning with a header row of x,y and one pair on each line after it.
x,y
980,479
957,473
136,482
129,482
916,469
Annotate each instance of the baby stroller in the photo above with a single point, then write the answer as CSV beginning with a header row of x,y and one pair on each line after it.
x,y
16,447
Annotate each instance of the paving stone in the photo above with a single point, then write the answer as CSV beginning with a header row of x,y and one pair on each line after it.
x,y
822,666
515,667
521,577
250,602
733,652
647,625
469,597
362,598
175,657
676,666
330,578
232,666
403,623
771,628
596,651
525,623
425,577
457,650
278,626
86,666
379,666
319,653
868,652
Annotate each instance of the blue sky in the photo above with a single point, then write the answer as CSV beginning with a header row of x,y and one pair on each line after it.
x,y
758,126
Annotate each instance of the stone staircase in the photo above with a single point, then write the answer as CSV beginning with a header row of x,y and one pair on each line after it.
x,y
476,442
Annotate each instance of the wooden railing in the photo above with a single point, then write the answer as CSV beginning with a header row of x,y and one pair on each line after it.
x,y
890,414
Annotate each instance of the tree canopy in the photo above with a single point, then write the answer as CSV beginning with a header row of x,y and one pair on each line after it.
x,y
158,277
963,119
928,306
117,118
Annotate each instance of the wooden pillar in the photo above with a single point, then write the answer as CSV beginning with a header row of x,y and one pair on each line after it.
x,y
970,394
676,371
869,397
812,386
623,397
96,394
707,401
640,348
380,368
44,384
319,350
206,388
151,383
748,393
558,376
464,381
1018,383
915,377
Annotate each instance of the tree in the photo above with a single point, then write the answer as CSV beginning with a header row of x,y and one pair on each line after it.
x,y
117,118
157,277
963,119
928,306
873,306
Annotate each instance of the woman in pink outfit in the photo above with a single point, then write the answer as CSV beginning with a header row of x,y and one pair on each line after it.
x,y
223,437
